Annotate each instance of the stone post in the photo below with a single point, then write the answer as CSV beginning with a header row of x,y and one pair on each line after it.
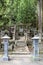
x,y
5,42
35,47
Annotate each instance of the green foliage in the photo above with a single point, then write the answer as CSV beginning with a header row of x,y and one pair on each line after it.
x,y
14,11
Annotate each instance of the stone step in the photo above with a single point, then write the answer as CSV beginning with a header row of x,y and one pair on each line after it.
x,y
20,53
20,43
16,53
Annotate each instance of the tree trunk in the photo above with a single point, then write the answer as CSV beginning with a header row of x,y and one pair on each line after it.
x,y
40,19
14,32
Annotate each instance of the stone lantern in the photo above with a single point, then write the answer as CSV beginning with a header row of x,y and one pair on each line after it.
x,y
35,47
5,42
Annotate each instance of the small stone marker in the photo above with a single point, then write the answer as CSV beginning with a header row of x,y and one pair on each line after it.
x,y
36,48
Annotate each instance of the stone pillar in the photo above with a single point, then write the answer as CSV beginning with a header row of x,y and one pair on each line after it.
x,y
5,42
35,47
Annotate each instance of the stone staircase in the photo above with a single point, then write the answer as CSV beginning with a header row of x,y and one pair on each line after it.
x,y
20,45
21,41
21,50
